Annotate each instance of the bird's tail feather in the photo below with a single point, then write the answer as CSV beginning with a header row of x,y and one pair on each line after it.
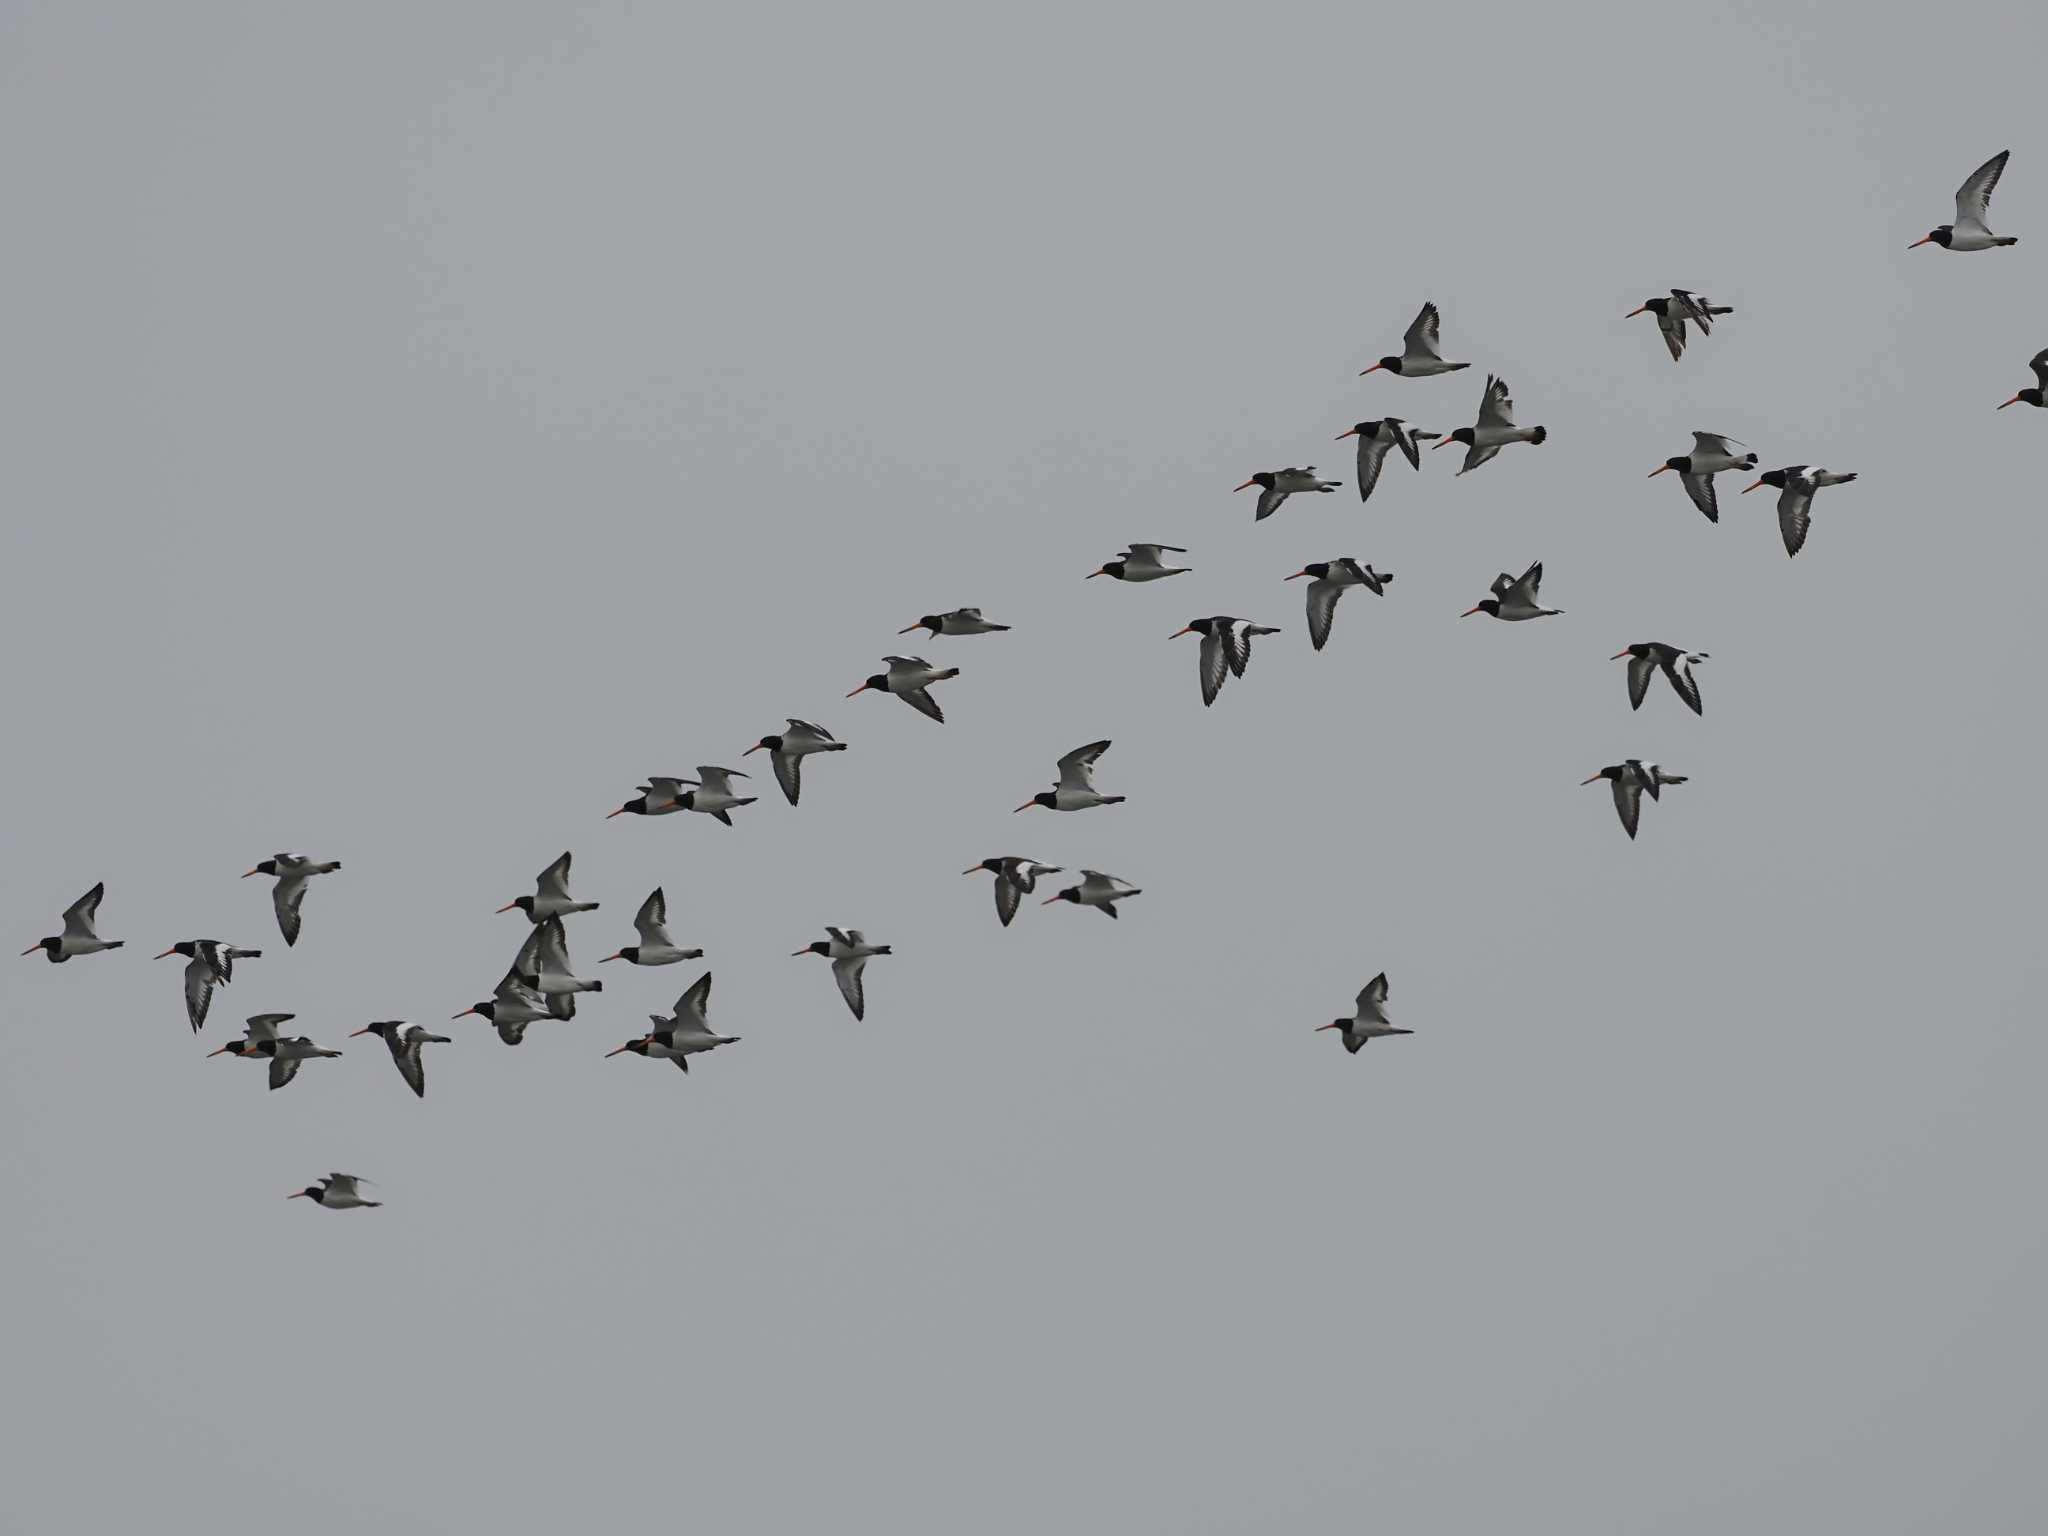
x,y
1538,434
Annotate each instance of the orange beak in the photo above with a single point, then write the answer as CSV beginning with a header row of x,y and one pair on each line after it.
x,y
977,868
1024,807
1443,442
1338,1024
1921,241
619,956
354,1032
32,949
1658,471
1342,435
908,628
1748,488
511,904
1593,780
863,688
171,951
223,1050
756,747
463,1015
1245,487
1095,573
1048,901
1469,611
1179,632
608,815
624,1048
795,954
1297,575
1643,310
2015,400
298,1194
252,872
1375,368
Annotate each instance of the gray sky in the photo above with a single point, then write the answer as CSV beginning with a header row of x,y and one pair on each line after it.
x,y
425,421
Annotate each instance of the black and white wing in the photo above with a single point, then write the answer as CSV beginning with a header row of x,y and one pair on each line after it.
x,y
1671,326
1424,336
1707,444
1372,458
1077,768
1214,663
200,977
1795,513
1322,610
922,701
1496,409
80,915
1694,309
1628,800
1639,670
2039,363
1679,672
1529,584
286,897
789,773
1008,894
651,921
847,973
1701,489
1372,1001
1476,456
1269,502
553,884
406,1053
552,948
1973,197
282,1070
693,1008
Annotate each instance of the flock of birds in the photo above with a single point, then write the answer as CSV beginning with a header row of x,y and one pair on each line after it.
x,y
541,982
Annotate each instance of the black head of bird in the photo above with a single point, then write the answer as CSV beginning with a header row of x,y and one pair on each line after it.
x,y
1391,364
1488,605
311,1192
1774,478
1648,307
1193,627
765,744
993,866
1113,568
384,1031
1640,649
486,1010
1682,464
267,867
816,947
637,806
1044,797
187,948
1360,429
523,903
1263,480
930,621
1462,435
878,682
2028,397
1319,571
637,1047
1940,235
53,947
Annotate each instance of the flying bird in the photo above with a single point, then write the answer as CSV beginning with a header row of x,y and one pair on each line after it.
x,y
1419,357
686,1034
78,937
1328,580
961,621
1015,878
1097,890
291,871
1141,562
337,1192
258,1035
2038,395
543,966
1711,454
1795,486
714,795
1629,781
1075,789
512,1007
788,751
261,1041
1370,1021
1376,439
655,946
551,895
849,951
661,795
1514,598
1973,206
1495,429
405,1044
1673,313
910,678
1652,656
1276,485
209,963
1226,647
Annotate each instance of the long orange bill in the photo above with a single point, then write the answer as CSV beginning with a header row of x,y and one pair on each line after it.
x,y
1921,241
171,951
1593,780
1179,632
1658,471
1375,368
1245,487
1469,612
1617,655
252,872
863,688
1644,310
2015,400
354,1032
1342,435
1748,488
1297,575
32,949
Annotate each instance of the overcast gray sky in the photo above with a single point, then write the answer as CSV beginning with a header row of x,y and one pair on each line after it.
x,y
424,421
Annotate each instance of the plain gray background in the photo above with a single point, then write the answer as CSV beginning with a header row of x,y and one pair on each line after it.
x,y
424,421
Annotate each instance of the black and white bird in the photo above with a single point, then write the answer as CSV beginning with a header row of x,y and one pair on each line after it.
x,y
1226,649
1097,890
1795,485
542,966
1711,454
655,946
788,749
285,1053
910,679
661,795
1629,781
1494,430
551,896
2038,395
1973,207
1142,562
684,1035
1514,597
1075,789
1650,656
405,1043
1276,485
1016,878
1376,439
78,937
961,621
714,795
1673,314
337,1192
208,963
512,1007
1419,357
291,871
849,951
1370,1021
1328,580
